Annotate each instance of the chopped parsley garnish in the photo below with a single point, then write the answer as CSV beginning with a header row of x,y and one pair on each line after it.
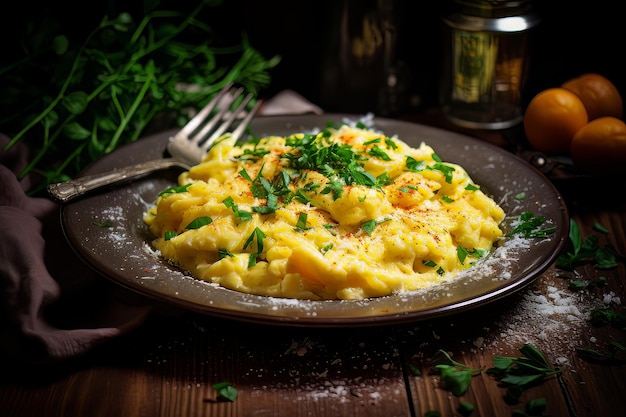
x,y
301,223
520,373
326,248
175,189
262,188
370,225
466,408
408,188
311,187
530,226
239,214
253,154
379,153
461,253
259,186
383,179
337,162
391,144
599,228
169,234
199,222
335,187
271,207
477,253
472,187
614,351
259,236
581,251
413,164
301,196
104,223
455,376
225,391
606,316
516,374
223,252
370,142
433,264
446,170
533,408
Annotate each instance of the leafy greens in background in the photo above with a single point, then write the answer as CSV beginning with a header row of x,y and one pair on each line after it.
x,y
108,88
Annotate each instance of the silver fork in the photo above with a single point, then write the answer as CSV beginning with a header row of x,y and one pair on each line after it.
x,y
187,147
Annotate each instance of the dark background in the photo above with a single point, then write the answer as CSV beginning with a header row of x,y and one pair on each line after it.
x,y
572,38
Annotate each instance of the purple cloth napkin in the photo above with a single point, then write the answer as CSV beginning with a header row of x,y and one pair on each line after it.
x,y
53,306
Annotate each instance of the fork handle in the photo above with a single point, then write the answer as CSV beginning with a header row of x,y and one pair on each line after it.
x,y
66,191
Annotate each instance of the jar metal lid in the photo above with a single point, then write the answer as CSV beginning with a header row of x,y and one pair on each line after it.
x,y
492,15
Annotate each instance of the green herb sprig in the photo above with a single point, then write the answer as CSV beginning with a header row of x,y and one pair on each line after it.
x,y
106,89
225,391
533,408
518,374
530,225
455,376
581,251
615,351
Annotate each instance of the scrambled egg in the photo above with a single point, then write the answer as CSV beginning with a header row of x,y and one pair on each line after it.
x,y
347,213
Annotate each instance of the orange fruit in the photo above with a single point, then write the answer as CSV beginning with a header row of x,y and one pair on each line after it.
x,y
552,118
598,94
600,147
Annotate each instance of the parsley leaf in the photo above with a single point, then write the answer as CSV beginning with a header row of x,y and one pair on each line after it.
x,y
226,391
239,214
175,189
517,374
199,222
530,226
223,252
455,376
301,223
446,170
259,235
413,164
379,153
588,250
104,223
466,408
533,408
604,317
369,225
461,253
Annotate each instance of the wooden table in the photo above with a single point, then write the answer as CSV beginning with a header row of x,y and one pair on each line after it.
x,y
168,365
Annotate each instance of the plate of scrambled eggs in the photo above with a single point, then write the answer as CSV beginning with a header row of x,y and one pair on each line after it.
x,y
325,220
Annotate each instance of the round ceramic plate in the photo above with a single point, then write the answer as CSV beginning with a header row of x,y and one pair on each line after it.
x,y
106,229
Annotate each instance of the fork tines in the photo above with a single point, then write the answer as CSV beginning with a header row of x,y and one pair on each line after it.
x,y
205,127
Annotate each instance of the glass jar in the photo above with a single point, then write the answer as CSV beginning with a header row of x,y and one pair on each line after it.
x,y
486,62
